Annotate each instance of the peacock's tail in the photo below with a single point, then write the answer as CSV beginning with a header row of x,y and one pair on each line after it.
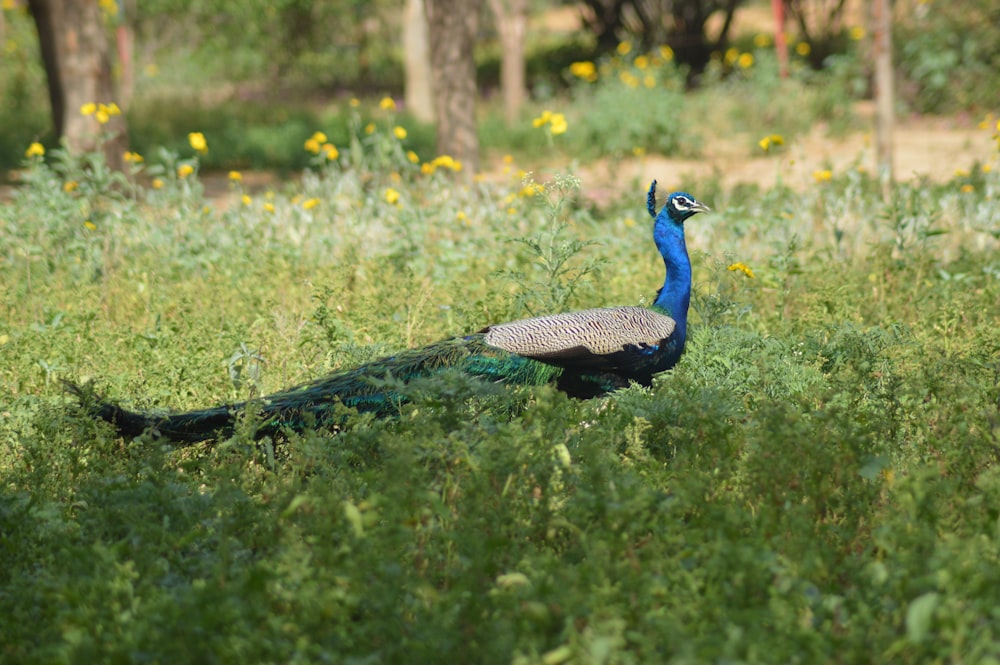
x,y
315,403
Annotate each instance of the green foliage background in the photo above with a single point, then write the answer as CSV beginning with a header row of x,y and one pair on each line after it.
x,y
816,480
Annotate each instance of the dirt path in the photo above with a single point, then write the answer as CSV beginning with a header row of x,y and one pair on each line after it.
x,y
932,148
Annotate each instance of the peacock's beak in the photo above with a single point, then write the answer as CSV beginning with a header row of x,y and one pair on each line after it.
x,y
701,207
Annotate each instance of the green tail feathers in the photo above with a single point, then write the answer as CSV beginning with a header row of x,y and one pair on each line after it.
x,y
315,404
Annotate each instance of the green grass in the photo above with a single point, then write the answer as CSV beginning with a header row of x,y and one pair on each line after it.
x,y
816,481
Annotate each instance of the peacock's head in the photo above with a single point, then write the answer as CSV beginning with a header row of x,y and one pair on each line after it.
x,y
678,206
681,205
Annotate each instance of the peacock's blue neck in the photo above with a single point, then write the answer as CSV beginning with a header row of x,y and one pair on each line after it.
x,y
675,296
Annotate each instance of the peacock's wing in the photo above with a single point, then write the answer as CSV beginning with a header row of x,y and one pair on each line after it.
x,y
616,339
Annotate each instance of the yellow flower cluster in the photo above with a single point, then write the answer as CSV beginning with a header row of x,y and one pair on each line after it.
x,y
556,122
823,175
441,162
36,149
391,196
387,104
734,57
770,141
399,132
101,112
132,157
184,170
318,143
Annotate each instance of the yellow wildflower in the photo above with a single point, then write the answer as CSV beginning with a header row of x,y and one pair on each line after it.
x,y
557,124
320,137
354,102
732,55
461,216
508,159
184,170
412,156
448,162
857,33
629,222
246,199
542,119
639,151
771,140
400,132
803,49
309,204
987,168
531,189
584,70
967,189
961,173
89,225
666,53
312,145
629,79
70,186
649,81
111,109
624,48
427,168
761,40
269,207
823,175
387,104
197,141
330,151
36,149
132,157
102,116
370,128
391,196
88,109
157,183
745,60
743,268
641,61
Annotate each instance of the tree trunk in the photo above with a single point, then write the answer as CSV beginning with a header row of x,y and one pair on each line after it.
x,y
416,59
76,54
512,23
452,28
884,99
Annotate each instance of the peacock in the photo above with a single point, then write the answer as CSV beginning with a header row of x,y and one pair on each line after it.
x,y
585,354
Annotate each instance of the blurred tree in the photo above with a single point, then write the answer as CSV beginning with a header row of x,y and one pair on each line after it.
x,y
416,61
452,28
76,53
512,24
681,24
821,23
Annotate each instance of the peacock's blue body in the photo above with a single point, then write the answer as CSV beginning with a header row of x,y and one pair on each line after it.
x,y
586,354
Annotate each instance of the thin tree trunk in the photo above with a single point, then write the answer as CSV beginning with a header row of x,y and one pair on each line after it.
x,y
512,22
76,54
884,93
452,28
417,62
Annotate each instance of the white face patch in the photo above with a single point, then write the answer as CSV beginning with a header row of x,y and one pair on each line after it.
x,y
683,204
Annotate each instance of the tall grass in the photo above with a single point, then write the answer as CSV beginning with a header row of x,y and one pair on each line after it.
x,y
815,481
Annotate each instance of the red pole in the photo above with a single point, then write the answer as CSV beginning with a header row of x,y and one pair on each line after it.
x,y
778,9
